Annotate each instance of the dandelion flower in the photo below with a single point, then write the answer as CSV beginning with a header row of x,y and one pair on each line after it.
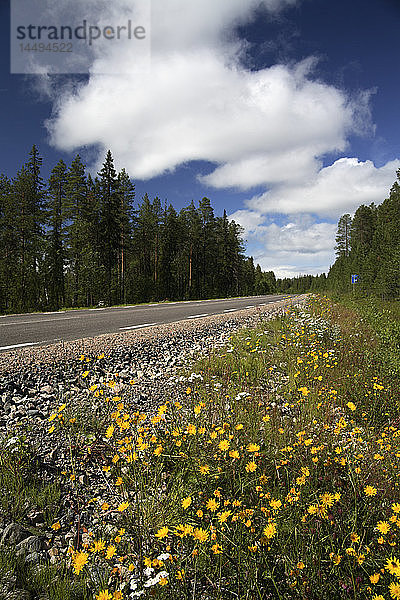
x,y
110,431
251,467
270,530
104,595
79,560
327,499
224,445
370,490
212,505
383,527
186,502
123,506
56,526
162,533
393,566
204,469
223,516
111,550
335,558
374,578
253,448
99,545
394,589
201,535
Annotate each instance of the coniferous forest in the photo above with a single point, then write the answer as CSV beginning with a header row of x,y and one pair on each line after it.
x,y
368,245
76,241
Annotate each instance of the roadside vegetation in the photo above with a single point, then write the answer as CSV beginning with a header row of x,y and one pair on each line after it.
x,y
273,473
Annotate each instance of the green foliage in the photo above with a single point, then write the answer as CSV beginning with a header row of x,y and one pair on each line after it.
x,y
22,487
38,580
76,241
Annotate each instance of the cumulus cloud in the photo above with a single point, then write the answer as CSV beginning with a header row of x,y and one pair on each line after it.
x,y
301,235
338,188
197,102
300,246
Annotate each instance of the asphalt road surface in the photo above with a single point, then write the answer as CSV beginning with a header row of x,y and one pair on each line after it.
x,y
35,329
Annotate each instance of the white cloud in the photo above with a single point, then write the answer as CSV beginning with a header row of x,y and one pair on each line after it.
x,y
198,103
336,189
270,127
272,168
297,247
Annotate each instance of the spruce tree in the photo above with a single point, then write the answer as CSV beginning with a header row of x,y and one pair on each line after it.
x,y
110,225
55,235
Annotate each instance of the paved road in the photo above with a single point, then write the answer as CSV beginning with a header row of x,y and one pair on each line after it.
x,y
37,329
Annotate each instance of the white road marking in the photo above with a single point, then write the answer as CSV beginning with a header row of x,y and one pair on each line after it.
x,y
19,345
197,316
39,321
252,306
230,309
138,326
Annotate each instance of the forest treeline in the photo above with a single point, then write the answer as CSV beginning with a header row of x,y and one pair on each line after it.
x,y
368,245
78,241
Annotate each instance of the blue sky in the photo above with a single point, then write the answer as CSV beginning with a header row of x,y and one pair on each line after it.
x,y
282,112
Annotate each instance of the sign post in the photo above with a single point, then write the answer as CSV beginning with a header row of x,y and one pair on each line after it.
x,y
354,279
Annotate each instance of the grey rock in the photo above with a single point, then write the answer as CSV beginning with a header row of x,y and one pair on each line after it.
x,y
46,389
33,543
13,534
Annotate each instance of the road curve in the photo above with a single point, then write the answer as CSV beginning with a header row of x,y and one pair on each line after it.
x,y
38,329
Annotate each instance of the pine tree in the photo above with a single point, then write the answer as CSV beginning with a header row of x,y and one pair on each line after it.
x,y
6,245
189,256
343,236
208,249
78,232
127,195
110,225
386,245
56,235
170,242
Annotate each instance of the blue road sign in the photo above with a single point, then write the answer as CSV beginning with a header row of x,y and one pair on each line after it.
x,y
354,278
